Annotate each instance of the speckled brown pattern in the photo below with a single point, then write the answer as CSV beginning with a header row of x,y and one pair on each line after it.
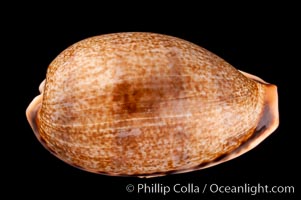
x,y
148,104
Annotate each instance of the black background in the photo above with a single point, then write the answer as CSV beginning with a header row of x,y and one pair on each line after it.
x,y
261,45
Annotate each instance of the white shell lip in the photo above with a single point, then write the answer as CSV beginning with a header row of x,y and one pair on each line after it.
x,y
253,77
42,85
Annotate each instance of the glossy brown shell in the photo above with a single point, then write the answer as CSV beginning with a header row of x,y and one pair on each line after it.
x,y
148,104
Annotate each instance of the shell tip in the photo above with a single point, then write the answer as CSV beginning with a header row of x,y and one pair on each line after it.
x,y
270,117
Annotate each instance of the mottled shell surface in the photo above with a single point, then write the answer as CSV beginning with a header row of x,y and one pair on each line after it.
x,y
147,104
